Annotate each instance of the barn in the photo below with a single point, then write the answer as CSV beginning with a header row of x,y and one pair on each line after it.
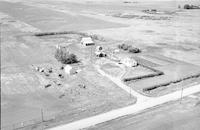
x,y
87,41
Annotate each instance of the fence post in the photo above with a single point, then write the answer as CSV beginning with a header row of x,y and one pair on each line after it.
x,y
13,126
181,94
42,115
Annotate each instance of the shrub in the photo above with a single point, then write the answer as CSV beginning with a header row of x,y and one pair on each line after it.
x,y
191,7
142,77
186,6
124,46
96,37
65,57
119,46
130,48
134,50
170,82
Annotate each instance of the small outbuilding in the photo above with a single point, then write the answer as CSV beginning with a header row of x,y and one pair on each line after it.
x,y
100,54
87,41
129,62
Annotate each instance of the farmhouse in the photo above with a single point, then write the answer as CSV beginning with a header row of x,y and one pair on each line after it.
x,y
86,41
129,62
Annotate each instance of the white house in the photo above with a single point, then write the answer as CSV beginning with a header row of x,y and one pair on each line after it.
x,y
86,41
68,69
71,70
129,62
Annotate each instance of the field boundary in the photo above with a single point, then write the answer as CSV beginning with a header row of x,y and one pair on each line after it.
x,y
157,73
93,36
171,82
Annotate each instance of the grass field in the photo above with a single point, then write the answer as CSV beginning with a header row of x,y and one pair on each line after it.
x,y
112,69
57,21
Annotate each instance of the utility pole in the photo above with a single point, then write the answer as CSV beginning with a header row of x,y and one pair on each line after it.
x,y
181,94
0,47
91,55
42,115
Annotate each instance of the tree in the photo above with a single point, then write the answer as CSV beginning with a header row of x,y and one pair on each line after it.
x,y
65,57
129,48
124,46
187,6
134,50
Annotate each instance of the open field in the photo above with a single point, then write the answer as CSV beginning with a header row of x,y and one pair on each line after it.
x,y
169,41
39,17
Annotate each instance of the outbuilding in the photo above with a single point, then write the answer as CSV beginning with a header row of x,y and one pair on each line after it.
x,y
87,41
68,69
100,54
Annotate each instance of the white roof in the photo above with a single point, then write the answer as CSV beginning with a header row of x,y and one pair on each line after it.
x,y
129,62
87,40
67,69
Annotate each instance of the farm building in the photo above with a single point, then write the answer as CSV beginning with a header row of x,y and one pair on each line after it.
x,y
100,54
129,62
86,41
